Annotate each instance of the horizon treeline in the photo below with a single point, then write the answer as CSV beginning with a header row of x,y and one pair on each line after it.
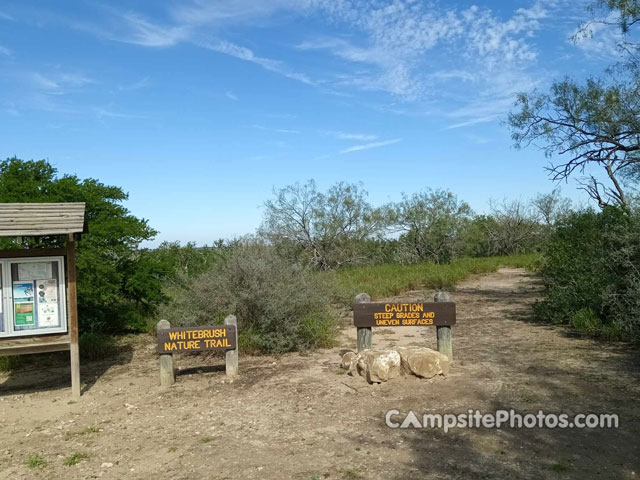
x,y
284,280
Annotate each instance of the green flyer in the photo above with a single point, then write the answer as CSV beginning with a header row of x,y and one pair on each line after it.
x,y
23,304
24,313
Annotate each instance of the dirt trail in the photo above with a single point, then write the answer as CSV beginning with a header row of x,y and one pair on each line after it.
x,y
299,417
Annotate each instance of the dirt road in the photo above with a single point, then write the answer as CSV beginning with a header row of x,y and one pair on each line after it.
x,y
300,417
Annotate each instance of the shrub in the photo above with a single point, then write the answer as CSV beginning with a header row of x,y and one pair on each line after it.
x,y
591,268
280,305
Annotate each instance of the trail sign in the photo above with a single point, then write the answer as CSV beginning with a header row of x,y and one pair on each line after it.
x,y
404,314
197,339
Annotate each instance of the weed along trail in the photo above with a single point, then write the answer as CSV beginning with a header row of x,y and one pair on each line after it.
x,y
304,417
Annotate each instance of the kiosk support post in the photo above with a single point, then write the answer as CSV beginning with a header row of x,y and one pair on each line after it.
x,y
72,305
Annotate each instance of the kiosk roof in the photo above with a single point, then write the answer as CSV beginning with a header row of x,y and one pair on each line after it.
x,y
35,219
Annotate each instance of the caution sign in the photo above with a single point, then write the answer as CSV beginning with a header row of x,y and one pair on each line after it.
x,y
404,314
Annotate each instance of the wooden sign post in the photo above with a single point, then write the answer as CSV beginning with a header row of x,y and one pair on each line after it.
x,y
364,333
196,339
441,313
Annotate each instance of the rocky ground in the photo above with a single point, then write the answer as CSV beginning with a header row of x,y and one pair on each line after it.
x,y
302,417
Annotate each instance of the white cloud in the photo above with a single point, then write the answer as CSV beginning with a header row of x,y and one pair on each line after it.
x,y
5,51
367,146
148,34
101,113
599,37
208,12
362,137
231,96
414,51
137,85
6,16
57,82
410,48
243,53
277,130
280,115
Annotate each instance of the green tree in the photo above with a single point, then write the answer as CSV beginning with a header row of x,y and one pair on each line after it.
x,y
430,225
590,124
117,284
329,228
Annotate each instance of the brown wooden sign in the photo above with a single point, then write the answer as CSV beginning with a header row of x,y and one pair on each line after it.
x,y
197,339
404,314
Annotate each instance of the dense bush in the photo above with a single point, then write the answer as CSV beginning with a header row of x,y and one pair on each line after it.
x,y
279,304
591,273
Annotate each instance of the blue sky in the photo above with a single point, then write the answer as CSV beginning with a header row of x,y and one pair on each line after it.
x,y
199,108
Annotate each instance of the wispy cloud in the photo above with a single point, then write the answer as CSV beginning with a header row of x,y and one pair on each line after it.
x,y
401,37
148,34
411,50
6,16
600,37
189,24
137,85
5,51
227,12
491,103
101,113
368,146
246,54
231,96
57,82
277,130
362,137
280,115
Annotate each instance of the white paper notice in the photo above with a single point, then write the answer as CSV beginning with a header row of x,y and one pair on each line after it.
x,y
34,270
48,315
47,290
47,295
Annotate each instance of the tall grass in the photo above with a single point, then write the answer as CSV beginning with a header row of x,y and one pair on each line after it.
x,y
392,279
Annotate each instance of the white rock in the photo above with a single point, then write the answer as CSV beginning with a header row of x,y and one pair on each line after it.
x,y
349,361
378,365
423,362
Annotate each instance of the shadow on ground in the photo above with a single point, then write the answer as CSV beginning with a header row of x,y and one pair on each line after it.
x,y
52,371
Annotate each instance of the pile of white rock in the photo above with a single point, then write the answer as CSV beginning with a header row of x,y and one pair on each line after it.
x,y
381,365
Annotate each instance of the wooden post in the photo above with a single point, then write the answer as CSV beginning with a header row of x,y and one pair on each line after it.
x,y
167,374
231,356
364,333
72,307
443,332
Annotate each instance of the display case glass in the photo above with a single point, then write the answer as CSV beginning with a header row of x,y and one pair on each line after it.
x,y
33,300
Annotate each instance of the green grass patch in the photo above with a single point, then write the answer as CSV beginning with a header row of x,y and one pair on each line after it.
x,y
9,363
74,459
386,280
36,461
